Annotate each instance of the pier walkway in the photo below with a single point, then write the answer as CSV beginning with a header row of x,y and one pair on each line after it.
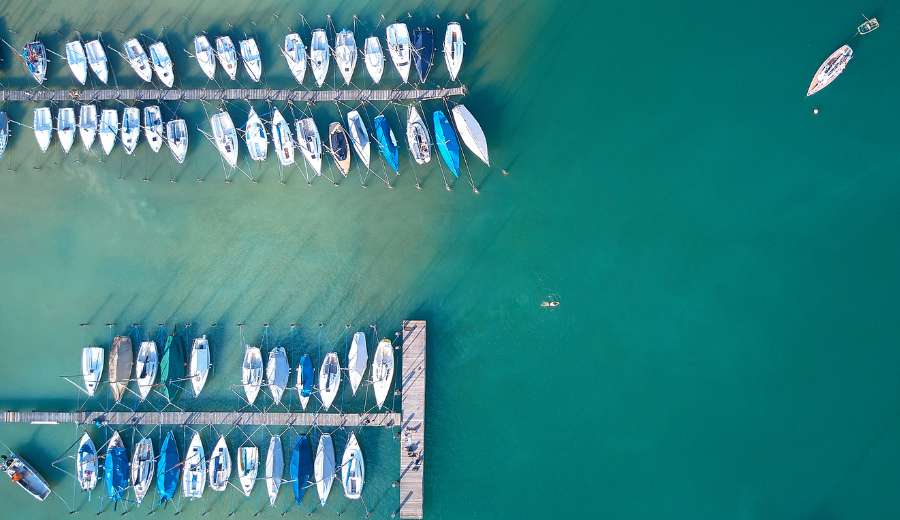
x,y
412,438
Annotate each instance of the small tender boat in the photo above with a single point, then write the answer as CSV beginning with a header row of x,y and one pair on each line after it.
x,y
43,127
162,64
86,463
177,138
471,132
301,466
357,360
277,372
225,137
274,468
77,60
131,129
329,379
146,366
319,56
446,141
91,368
21,473
387,143
153,127
120,361
35,56
227,55
359,135
171,366
305,377
282,139
423,51
97,60
309,143
169,471
255,136
115,468
137,57
252,372
374,58
398,45
247,467
143,467
830,69
109,129
252,60
339,146
205,57
219,465
417,136
353,469
868,26
345,54
324,467
453,49
193,480
382,370
4,132
198,370
65,127
87,125
295,53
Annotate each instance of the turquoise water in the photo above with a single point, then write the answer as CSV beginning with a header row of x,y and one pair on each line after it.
x,y
726,262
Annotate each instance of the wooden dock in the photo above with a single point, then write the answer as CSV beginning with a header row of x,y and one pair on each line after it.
x,y
412,431
249,94
129,418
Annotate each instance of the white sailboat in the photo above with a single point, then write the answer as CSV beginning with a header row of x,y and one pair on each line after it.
x,y
145,367
198,370
193,480
86,464
453,49
329,379
227,55
471,133
43,127
274,468
382,370
205,56
398,45
252,372
301,382
282,139
65,127
109,129
137,57
97,60
357,360
131,129
91,368
225,137
374,58
143,466
277,372
87,125
417,136
247,467
319,56
177,138
359,136
162,64
295,53
153,127
309,143
353,469
255,137
252,59
323,467
77,60
219,465
345,54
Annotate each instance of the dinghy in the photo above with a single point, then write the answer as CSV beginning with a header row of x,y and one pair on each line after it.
x,y
339,146
227,55
252,60
471,133
171,366
35,56
109,129
324,467
255,137
274,468
359,135
301,466
87,125
282,139
177,139
131,129
86,463
21,473
137,57
43,127
169,471
198,370
91,368
353,469
305,377
153,127
143,466
423,51
252,372
115,468
145,367
97,60
309,143
446,141
219,465
398,45
453,49
162,64
205,57
277,372
120,360
295,53
382,370
329,379
4,132
417,136
193,480
374,58
225,137
345,54
387,143
247,467
65,127
357,360
318,56
77,60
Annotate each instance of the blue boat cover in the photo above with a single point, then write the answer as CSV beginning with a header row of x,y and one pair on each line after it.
x,y
301,466
387,145
447,143
423,51
115,468
306,368
169,470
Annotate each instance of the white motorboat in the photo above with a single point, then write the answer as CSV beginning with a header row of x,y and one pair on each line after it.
x,y
205,56
86,464
247,467
323,467
319,56
310,143
255,136
219,465
295,53
198,370
353,469
146,365
252,59
227,55
359,136
225,137
329,379
252,372
137,57
374,58
417,136
77,60
282,139
162,64
277,372
131,129
454,45
97,60
357,360
87,125
471,133
65,127
193,480
143,466
43,127
27,478
398,45
177,139
274,468
109,129
382,370
153,127
91,368
345,54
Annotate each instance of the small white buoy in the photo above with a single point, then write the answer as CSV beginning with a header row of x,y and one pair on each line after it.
x,y
816,111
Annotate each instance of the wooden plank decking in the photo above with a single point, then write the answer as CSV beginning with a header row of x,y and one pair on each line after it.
x,y
218,418
412,436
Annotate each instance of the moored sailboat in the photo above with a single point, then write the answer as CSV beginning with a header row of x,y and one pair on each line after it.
x,y
382,370
146,366
87,125
227,55
252,59
131,129
417,136
21,473
295,53
319,56
91,368
153,127
309,143
43,127
171,365
277,373
4,132
324,467
255,137
162,64
138,60
398,45
423,51
65,127
247,467
120,363
34,54
374,58
387,143
305,377
198,370
345,54
205,56
86,463
301,466
329,379
77,60
339,146
177,139
143,467
830,69
97,60
109,129
193,480
225,137
353,469
446,142
274,468
252,372
115,468
359,135
219,465
282,139
471,133
169,470
357,360
454,45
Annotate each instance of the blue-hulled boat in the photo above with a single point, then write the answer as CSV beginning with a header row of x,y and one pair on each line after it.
x,y
446,141
387,143
115,468
423,51
306,369
301,466
169,469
